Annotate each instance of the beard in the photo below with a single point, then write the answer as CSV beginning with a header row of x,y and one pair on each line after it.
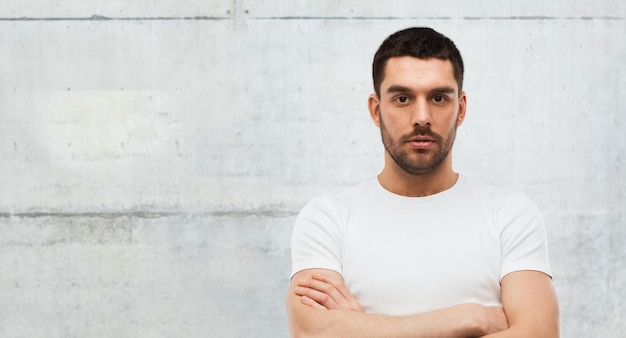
x,y
426,160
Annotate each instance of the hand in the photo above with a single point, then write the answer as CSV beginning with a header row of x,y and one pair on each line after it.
x,y
474,320
493,320
322,292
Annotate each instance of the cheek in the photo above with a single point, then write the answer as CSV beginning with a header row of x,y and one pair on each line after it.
x,y
389,124
396,120
450,119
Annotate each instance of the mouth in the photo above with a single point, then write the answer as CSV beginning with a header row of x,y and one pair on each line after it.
x,y
421,142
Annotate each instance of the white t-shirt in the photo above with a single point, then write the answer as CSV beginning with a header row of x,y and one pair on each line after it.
x,y
406,255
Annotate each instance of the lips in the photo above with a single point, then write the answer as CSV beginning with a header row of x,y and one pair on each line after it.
x,y
422,138
421,142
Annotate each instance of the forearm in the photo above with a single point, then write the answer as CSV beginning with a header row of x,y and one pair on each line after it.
x,y
319,305
345,323
518,331
545,327
458,321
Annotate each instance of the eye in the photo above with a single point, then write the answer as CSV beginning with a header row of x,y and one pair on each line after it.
x,y
439,99
402,99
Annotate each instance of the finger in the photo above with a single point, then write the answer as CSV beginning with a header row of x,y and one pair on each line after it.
x,y
319,297
340,286
346,300
310,302
326,286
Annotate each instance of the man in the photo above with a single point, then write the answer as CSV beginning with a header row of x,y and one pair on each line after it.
x,y
420,251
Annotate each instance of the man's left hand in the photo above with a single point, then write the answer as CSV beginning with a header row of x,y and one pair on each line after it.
x,y
323,292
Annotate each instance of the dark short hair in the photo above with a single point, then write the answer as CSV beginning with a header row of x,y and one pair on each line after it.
x,y
419,42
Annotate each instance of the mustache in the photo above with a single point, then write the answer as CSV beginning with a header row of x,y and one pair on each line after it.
x,y
422,131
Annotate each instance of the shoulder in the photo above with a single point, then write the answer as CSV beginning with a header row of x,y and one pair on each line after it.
x,y
343,199
499,198
335,207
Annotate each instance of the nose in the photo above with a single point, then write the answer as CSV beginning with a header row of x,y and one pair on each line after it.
x,y
421,114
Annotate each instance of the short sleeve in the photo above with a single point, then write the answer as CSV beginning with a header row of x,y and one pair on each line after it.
x,y
316,238
523,236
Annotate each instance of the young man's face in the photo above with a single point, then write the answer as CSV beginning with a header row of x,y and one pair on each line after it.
x,y
418,111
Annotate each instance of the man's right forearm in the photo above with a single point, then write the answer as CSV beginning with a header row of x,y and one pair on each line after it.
x,y
465,320
319,305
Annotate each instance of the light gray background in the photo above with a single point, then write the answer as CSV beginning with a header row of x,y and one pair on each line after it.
x,y
154,154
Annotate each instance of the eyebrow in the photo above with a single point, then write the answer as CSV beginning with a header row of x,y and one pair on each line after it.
x,y
398,89
437,90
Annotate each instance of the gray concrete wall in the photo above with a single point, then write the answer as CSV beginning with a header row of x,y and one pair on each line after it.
x,y
154,154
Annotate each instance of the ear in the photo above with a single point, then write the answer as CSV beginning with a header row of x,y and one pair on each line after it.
x,y
462,109
373,104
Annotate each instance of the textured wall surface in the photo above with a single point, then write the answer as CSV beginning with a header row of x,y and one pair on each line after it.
x,y
154,154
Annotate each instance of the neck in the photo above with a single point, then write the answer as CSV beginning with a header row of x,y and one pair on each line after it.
x,y
396,180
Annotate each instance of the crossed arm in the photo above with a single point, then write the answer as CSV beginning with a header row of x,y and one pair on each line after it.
x,y
530,304
319,305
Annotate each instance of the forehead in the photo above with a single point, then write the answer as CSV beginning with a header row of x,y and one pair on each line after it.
x,y
412,72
